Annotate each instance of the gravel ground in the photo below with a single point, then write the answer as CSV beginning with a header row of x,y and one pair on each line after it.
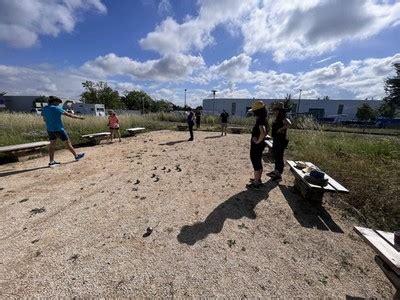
x,y
79,230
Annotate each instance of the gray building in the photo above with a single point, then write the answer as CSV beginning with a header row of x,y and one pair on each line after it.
x,y
346,109
28,103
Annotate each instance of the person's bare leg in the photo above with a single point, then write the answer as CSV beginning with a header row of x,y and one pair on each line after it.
x,y
112,134
52,149
119,134
70,148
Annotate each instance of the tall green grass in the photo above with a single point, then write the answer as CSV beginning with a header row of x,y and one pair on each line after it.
x,y
369,166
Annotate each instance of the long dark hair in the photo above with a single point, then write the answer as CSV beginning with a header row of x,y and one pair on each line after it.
x,y
261,113
281,114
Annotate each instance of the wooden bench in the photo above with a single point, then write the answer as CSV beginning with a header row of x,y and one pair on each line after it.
x,y
182,127
134,131
388,255
236,130
27,150
313,192
95,138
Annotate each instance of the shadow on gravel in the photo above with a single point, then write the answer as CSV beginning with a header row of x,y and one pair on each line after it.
x,y
173,143
213,137
309,215
236,207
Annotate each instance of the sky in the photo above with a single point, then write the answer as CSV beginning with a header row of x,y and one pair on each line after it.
x,y
343,49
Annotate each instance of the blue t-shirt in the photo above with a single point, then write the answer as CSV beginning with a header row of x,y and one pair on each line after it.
x,y
52,116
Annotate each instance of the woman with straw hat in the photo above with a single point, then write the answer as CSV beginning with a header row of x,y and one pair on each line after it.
x,y
280,142
257,145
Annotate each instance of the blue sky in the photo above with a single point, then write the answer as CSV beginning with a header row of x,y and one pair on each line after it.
x,y
255,48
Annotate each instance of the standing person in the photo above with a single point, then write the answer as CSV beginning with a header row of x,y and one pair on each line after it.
x,y
257,145
55,128
190,121
280,142
113,124
224,122
198,117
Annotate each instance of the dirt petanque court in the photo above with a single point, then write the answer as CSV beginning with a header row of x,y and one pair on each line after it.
x,y
82,229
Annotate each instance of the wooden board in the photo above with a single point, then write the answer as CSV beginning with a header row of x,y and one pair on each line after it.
x,y
385,250
27,146
96,135
300,174
332,186
137,129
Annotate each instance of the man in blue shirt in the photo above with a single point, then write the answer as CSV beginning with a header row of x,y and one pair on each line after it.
x,y
55,128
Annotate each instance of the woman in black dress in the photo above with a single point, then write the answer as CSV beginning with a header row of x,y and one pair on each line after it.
x,y
280,142
257,145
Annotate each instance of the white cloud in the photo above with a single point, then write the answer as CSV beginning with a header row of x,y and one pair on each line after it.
x,y
299,29
288,29
195,32
235,68
23,21
169,67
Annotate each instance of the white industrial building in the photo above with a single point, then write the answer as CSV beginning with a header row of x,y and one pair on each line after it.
x,y
347,109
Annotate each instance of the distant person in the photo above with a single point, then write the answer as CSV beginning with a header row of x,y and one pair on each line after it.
x,y
55,128
113,125
257,144
224,121
198,117
280,142
190,122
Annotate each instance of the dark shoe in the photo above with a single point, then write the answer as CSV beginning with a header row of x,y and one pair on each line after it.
x,y
271,174
252,180
79,156
253,185
54,164
277,178
189,140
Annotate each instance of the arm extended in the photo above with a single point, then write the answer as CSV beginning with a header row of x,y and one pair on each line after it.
x,y
73,116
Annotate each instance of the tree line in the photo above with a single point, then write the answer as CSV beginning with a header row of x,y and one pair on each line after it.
x,y
391,103
101,93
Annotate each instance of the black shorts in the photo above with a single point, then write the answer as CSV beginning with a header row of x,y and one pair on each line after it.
x,y
62,135
114,128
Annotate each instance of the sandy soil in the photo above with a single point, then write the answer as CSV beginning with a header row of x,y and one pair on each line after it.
x,y
77,230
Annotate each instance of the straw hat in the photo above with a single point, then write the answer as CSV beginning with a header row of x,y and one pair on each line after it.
x,y
257,105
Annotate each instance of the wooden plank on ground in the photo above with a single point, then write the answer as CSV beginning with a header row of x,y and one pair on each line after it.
x,y
26,146
136,129
96,135
269,143
384,249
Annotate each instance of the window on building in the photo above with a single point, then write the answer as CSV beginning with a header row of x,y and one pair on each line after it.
x,y
233,109
317,112
340,109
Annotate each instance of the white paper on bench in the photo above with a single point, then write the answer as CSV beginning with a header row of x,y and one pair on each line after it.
x,y
387,252
93,135
24,146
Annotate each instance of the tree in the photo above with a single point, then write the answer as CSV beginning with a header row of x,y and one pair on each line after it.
x,y
365,113
392,100
101,93
137,100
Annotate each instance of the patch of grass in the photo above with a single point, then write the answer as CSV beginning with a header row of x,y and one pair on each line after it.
x,y
369,166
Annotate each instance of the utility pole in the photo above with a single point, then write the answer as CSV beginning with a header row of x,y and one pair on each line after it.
x,y
298,103
185,99
213,91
